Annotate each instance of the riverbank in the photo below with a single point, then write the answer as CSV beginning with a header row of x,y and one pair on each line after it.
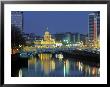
x,y
17,63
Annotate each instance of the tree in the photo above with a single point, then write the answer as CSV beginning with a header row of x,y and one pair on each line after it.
x,y
16,37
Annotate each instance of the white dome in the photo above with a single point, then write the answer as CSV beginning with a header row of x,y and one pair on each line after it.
x,y
46,33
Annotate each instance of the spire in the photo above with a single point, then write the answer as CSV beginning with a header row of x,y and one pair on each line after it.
x,y
46,31
46,28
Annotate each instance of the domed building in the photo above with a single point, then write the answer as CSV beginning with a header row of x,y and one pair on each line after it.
x,y
46,42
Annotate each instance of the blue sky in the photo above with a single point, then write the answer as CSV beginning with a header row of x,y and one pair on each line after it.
x,y
56,21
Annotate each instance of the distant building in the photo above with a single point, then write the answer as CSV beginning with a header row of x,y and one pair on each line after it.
x,y
17,19
77,37
58,37
46,42
83,38
73,38
68,36
32,36
94,27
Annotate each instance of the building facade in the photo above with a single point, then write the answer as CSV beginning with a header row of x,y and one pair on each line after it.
x,y
46,42
94,28
68,36
17,19
58,37
79,38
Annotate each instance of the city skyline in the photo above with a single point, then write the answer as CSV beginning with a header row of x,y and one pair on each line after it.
x,y
36,22
55,44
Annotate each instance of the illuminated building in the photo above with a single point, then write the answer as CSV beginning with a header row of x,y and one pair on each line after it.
x,y
94,28
17,19
79,39
67,40
68,36
46,42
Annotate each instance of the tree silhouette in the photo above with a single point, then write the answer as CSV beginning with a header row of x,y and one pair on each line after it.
x,y
16,37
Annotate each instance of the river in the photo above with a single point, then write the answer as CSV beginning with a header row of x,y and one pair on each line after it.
x,y
46,66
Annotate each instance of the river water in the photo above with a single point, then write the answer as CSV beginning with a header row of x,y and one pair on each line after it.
x,y
46,66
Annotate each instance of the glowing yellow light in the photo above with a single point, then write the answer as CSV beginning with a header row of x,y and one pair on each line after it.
x,y
53,65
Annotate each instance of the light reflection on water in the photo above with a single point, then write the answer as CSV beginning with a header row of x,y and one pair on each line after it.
x,y
46,66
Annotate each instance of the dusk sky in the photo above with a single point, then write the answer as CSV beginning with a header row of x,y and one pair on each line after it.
x,y
62,21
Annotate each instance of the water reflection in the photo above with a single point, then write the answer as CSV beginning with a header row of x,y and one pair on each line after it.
x,y
45,66
20,73
59,56
45,56
66,67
